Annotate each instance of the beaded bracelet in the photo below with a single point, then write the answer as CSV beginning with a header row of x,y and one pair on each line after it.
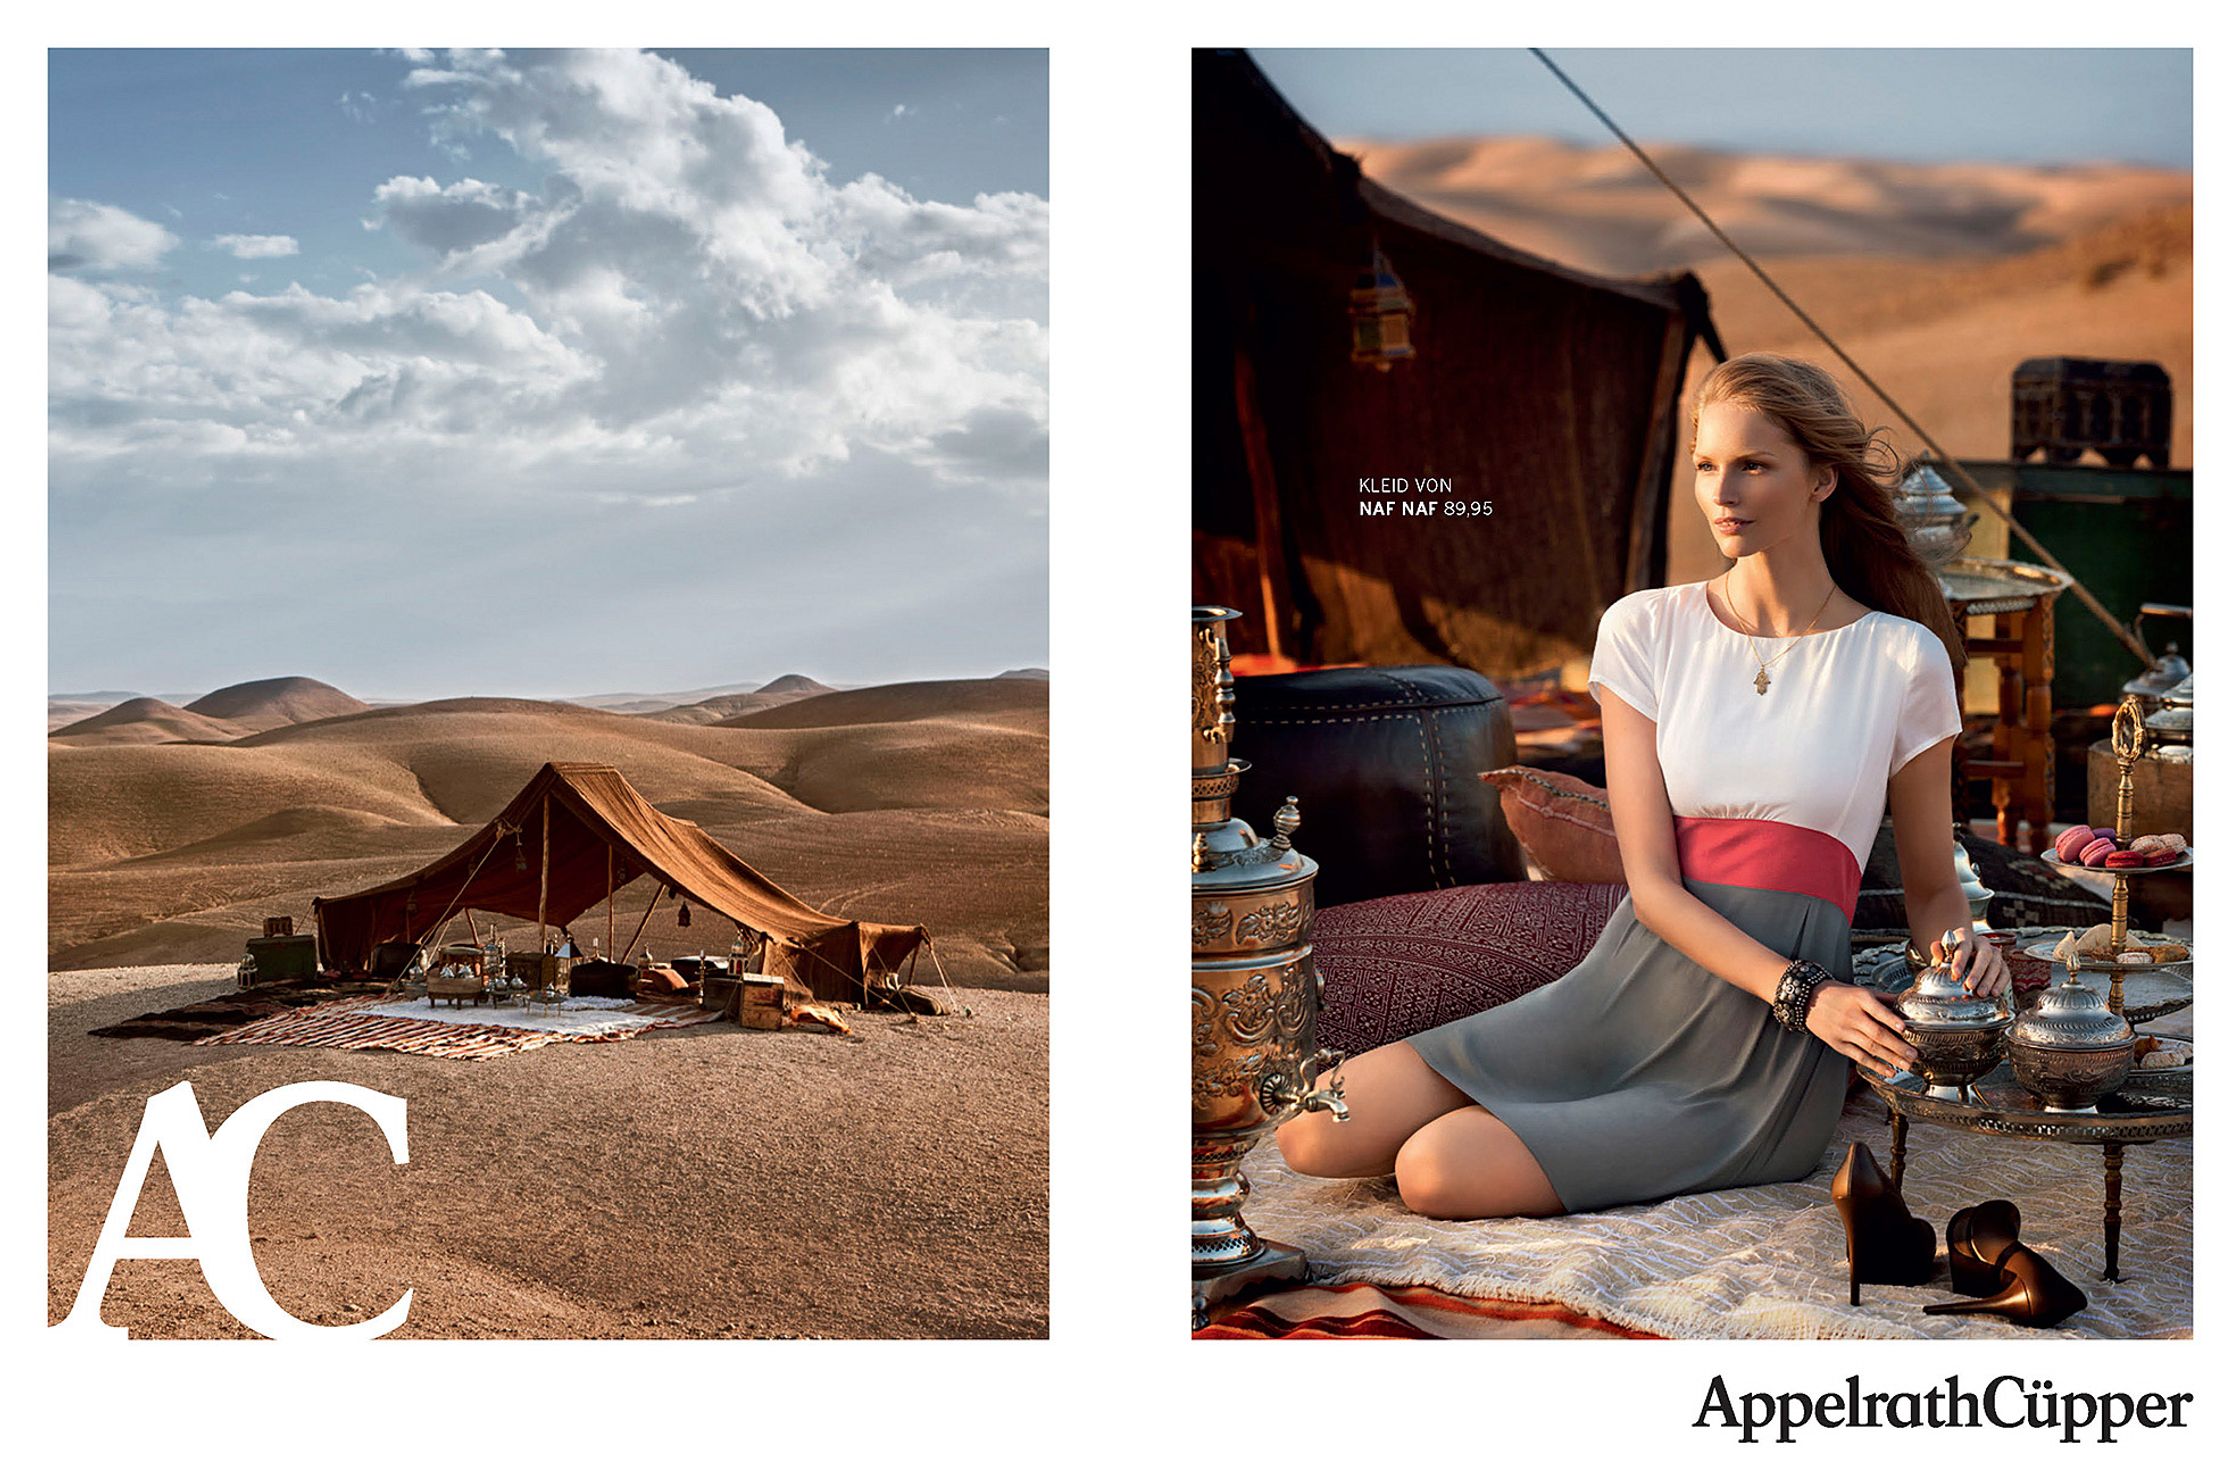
x,y
1792,997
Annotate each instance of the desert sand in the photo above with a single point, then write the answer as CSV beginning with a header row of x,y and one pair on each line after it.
x,y
709,1182
706,1182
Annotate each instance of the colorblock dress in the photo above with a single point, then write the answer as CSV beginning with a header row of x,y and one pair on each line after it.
x,y
1640,1074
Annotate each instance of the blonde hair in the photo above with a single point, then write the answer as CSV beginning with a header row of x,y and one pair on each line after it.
x,y
1860,536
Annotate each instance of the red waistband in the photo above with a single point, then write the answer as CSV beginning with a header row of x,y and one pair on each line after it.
x,y
1770,854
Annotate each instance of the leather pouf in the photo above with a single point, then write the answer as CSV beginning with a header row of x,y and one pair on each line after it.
x,y
1385,762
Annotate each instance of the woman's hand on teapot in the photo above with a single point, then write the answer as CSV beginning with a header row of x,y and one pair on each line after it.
x,y
1967,956
1860,1024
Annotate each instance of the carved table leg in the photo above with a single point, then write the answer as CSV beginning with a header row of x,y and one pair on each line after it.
x,y
1897,1150
2009,740
2037,723
2114,1216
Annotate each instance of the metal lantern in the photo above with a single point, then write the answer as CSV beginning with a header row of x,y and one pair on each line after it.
x,y
1380,309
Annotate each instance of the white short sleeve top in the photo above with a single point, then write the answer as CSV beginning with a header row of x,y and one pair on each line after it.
x,y
1843,710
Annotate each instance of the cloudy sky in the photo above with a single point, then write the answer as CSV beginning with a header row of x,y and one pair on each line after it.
x,y
2020,106
539,374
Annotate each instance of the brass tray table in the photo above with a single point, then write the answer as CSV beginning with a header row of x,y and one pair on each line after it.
x,y
2152,1106
2150,991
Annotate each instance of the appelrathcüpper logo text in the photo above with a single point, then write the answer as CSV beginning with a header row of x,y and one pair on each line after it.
x,y
2005,1402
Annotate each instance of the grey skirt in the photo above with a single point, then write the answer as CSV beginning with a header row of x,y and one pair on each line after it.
x,y
1640,1074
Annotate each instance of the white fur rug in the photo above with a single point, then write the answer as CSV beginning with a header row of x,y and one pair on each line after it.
x,y
1768,1262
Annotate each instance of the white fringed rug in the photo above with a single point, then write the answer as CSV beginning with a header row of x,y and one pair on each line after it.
x,y
1768,1262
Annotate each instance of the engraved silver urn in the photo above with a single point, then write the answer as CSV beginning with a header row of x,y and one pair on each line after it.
x,y
1254,991
2069,1049
1957,1035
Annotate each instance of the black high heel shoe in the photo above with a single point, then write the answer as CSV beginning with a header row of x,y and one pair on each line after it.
x,y
1884,1241
1975,1239
2032,1292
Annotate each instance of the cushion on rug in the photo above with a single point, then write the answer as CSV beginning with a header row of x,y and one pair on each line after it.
x,y
1393,966
1560,819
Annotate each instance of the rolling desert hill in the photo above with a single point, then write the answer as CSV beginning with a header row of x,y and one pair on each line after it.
x,y
792,684
148,720
921,802
276,702
1938,279
993,699
1597,208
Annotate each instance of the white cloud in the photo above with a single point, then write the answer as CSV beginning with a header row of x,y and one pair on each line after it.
x,y
251,248
687,288
83,236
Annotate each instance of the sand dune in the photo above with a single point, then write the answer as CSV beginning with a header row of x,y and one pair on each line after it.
x,y
1598,208
148,720
62,712
273,702
923,802
792,684
716,709
989,698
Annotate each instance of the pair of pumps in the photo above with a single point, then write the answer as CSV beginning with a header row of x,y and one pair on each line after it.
x,y
1991,1268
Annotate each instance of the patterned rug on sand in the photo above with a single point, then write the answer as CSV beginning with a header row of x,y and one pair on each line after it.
x,y
469,1034
1768,1261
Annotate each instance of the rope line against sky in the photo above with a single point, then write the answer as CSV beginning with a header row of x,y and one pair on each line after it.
x,y
2092,603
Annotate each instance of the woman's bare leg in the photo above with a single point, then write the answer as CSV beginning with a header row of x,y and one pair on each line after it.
x,y
1390,1094
1468,1164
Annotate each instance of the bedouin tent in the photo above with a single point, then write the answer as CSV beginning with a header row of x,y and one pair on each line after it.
x,y
1541,400
575,835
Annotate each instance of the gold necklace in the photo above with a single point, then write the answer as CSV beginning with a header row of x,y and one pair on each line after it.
x,y
1762,681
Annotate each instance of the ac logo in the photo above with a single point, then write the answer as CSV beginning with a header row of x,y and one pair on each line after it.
x,y
210,1173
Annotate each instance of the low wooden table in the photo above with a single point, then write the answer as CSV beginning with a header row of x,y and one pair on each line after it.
x,y
2019,598
459,992
2152,1106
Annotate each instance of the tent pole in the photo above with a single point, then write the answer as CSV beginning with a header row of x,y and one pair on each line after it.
x,y
544,878
624,956
610,892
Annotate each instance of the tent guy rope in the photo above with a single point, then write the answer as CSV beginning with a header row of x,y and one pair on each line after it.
x,y
2122,633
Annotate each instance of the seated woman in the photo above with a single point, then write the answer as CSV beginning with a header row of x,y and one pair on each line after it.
x,y
1754,725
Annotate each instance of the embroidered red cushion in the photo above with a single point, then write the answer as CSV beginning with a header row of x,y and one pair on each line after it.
x,y
1392,966
1563,821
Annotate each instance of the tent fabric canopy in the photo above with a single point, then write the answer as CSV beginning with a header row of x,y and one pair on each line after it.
x,y
598,821
1536,419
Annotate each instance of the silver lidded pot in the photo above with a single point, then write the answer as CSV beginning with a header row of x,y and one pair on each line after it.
x,y
1935,522
2169,728
1958,1036
2068,1049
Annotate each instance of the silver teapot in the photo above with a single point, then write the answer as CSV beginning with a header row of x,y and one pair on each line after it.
x,y
1958,1036
2069,1049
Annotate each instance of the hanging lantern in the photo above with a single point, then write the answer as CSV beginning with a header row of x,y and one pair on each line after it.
x,y
520,852
684,915
1381,311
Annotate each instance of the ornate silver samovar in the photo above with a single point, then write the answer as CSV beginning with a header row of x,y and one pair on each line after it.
x,y
1253,990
